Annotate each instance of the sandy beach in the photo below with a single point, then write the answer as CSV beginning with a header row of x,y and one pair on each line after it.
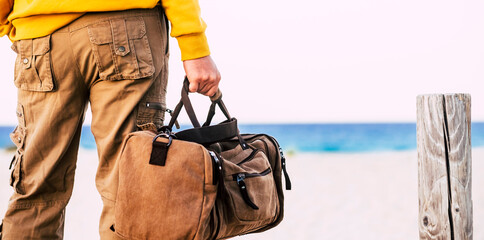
x,y
334,196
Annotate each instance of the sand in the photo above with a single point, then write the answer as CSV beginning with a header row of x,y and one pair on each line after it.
x,y
334,196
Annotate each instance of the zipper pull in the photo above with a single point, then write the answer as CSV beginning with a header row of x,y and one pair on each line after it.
x,y
240,180
243,190
284,170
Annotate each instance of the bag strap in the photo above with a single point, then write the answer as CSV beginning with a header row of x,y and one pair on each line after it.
x,y
216,101
205,134
185,102
210,134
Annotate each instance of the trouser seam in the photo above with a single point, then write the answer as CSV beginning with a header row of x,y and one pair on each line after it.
x,y
78,70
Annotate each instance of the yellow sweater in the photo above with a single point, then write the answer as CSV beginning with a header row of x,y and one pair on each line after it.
x,y
24,19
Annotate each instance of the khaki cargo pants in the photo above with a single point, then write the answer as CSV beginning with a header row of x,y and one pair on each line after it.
x,y
117,62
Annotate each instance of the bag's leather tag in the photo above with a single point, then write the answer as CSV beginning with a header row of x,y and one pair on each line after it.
x,y
158,153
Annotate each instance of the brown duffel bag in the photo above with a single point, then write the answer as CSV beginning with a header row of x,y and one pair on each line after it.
x,y
208,182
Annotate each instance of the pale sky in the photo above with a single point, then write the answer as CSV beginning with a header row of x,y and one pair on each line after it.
x,y
328,61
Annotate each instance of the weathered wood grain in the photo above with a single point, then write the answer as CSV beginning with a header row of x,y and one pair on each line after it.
x,y
444,162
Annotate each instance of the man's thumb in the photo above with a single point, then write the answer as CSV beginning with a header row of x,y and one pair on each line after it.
x,y
193,87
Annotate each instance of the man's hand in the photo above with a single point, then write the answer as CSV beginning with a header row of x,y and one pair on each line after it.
x,y
203,75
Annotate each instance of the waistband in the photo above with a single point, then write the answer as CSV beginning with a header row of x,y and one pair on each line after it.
x,y
95,17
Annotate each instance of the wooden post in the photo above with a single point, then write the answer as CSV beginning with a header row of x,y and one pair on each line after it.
x,y
444,166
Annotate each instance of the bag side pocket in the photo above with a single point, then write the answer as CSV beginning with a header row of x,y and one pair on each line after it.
x,y
250,199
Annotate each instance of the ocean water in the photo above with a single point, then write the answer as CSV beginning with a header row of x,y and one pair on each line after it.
x,y
366,137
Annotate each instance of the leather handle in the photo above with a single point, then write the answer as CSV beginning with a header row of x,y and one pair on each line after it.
x,y
217,96
185,102
188,104
206,133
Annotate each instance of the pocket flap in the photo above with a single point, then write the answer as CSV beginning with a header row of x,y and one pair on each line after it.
x,y
102,33
41,45
136,27
28,47
18,137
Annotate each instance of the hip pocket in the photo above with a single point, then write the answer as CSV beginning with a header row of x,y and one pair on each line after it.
x,y
121,49
33,70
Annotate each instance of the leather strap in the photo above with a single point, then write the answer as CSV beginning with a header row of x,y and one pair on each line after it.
x,y
188,104
210,134
185,101
205,134
217,96
211,111
175,114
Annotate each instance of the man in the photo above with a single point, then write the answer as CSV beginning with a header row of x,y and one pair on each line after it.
x,y
111,54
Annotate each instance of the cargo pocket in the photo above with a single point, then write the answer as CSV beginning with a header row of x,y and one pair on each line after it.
x,y
151,109
33,70
150,114
18,138
121,49
17,174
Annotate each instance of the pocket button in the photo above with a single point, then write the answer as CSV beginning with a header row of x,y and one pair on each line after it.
x,y
26,60
122,49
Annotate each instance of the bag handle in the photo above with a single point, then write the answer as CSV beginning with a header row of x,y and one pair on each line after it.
x,y
185,102
216,100
205,134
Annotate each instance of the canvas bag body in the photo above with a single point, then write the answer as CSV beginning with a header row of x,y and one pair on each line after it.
x,y
164,202
214,184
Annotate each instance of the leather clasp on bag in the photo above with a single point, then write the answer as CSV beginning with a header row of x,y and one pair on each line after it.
x,y
159,150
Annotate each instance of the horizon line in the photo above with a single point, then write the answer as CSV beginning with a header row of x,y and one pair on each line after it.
x,y
293,123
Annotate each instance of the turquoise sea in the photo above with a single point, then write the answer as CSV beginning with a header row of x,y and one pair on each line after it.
x,y
364,137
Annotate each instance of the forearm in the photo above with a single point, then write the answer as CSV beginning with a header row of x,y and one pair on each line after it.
x,y
189,29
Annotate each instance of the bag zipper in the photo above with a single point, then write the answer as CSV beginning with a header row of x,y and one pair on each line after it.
x,y
283,158
240,177
250,157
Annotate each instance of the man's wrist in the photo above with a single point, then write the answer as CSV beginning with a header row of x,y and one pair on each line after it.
x,y
193,46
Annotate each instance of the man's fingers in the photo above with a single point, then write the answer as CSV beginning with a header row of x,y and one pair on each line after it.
x,y
212,92
203,75
205,88
193,87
